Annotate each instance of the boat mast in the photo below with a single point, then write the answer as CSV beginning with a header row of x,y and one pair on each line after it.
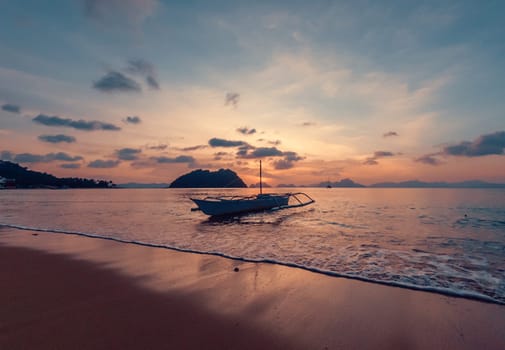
x,y
261,183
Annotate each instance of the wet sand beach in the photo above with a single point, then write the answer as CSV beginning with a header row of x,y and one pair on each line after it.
x,y
64,291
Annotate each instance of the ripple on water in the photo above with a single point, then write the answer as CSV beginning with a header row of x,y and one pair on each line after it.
x,y
419,239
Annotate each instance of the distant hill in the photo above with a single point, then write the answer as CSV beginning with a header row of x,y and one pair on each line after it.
x,y
25,178
405,184
143,185
341,183
421,184
288,185
257,185
208,179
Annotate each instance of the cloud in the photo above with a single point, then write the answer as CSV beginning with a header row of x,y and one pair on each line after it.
x,y
57,138
242,150
116,82
261,152
429,159
382,154
113,11
29,158
246,131
140,66
220,155
390,133
288,162
99,163
216,142
283,164
76,124
6,155
11,108
274,142
132,120
488,144
192,148
128,153
377,155
39,158
292,156
160,147
370,161
152,82
484,145
62,156
145,69
70,166
231,98
178,159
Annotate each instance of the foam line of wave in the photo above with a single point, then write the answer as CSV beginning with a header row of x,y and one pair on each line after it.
x,y
438,290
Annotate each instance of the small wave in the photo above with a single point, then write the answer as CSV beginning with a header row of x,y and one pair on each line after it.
x,y
479,223
416,250
403,284
470,244
344,225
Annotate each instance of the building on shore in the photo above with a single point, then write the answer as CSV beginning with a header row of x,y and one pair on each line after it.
x,y
7,183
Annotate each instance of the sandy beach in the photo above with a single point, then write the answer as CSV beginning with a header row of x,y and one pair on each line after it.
x,y
70,292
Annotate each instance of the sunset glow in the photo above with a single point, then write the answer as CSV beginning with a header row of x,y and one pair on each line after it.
x,y
147,90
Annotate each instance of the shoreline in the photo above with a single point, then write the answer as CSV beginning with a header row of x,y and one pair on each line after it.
x,y
446,292
279,306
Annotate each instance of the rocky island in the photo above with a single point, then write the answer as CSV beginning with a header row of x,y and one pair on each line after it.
x,y
222,178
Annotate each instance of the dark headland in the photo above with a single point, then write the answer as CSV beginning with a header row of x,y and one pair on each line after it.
x,y
15,176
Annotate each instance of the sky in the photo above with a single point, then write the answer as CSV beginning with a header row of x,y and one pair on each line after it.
x,y
148,90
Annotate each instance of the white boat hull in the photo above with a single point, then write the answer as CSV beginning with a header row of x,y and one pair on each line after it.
x,y
222,206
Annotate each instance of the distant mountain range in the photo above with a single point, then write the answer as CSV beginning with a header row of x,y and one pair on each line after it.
x,y
257,185
404,184
341,183
348,183
143,185
20,177
421,184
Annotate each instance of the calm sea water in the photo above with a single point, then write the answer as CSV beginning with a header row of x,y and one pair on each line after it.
x,y
444,240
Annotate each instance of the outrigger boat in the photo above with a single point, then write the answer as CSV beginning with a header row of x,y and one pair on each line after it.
x,y
230,205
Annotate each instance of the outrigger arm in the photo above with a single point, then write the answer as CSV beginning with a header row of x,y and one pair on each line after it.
x,y
299,204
